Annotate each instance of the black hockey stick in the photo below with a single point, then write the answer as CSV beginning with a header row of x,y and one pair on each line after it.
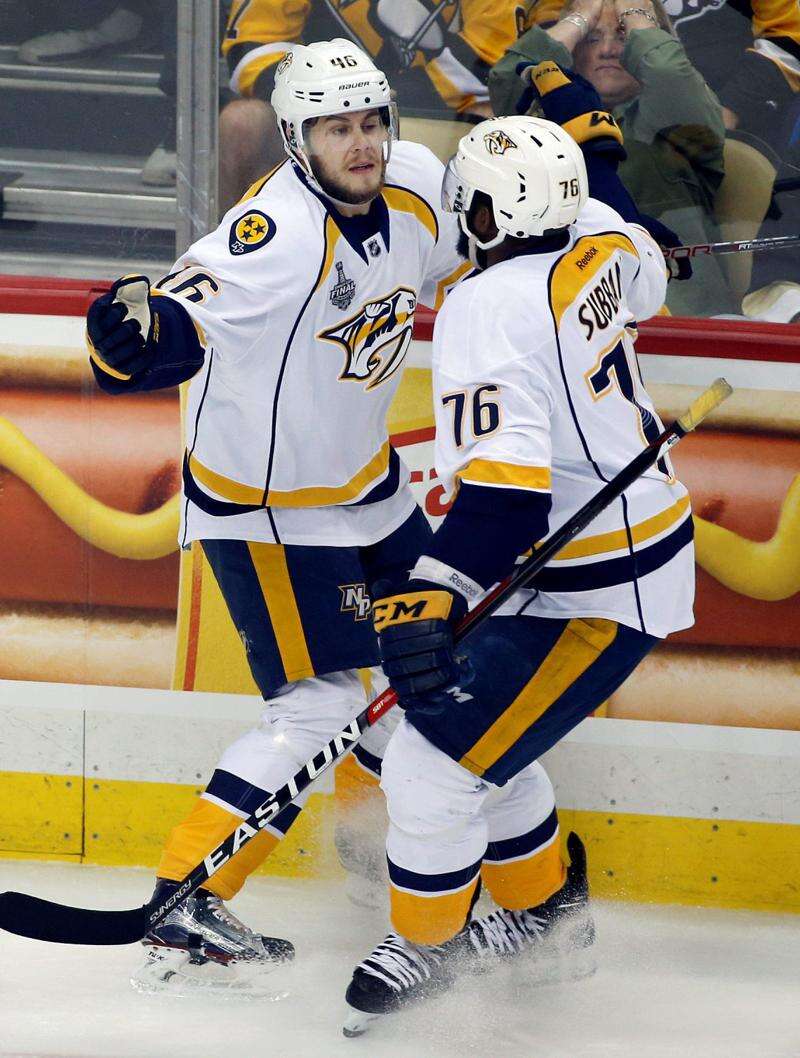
x,y
767,242
29,916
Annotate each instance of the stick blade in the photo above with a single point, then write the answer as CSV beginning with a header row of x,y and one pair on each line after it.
x,y
29,916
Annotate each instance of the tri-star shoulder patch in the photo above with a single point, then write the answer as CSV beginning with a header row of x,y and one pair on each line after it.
x,y
251,231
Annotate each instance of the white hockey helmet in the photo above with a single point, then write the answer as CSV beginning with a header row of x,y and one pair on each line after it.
x,y
531,169
325,78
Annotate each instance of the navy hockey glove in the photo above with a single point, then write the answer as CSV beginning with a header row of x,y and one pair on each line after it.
x,y
118,329
415,634
679,268
573,103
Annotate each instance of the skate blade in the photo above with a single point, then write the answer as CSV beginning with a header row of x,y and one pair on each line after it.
x,y
357,1022
170,972
558,967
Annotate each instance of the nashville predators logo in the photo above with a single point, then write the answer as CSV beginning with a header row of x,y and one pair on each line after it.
x,y
356,600
498,142
376,339
249,232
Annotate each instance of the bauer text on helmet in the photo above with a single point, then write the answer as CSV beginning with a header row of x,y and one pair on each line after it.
x,y
326,79
532,171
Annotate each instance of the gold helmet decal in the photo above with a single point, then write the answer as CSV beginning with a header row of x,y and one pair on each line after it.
x,y
498,142
376,338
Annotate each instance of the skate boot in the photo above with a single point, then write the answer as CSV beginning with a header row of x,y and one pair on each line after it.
x,y
201,945
557,933
395,974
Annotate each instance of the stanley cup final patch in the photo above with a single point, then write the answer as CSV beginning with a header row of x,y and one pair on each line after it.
x,y
249,232
344,289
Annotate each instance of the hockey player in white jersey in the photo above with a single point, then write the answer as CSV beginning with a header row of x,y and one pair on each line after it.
x,y
538,401
292,321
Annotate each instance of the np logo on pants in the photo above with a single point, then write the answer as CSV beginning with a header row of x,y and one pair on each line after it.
x,y
355,600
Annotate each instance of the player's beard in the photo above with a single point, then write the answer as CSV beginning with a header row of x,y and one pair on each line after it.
x,y
334,189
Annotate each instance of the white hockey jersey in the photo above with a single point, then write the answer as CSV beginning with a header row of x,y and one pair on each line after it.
x,y
537,386
306,317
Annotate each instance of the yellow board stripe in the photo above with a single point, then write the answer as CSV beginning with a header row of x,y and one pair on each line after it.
x,y
313,496
618,538
567,280
513,475
578,647
404,201
272,571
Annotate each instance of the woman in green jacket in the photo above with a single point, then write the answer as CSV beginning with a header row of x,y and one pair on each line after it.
x,y
670,119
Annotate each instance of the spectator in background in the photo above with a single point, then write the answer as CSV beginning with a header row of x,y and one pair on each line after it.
x,y
748,51
437,56
671,120
108,26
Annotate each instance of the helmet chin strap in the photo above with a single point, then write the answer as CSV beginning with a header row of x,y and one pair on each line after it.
x,y
476,248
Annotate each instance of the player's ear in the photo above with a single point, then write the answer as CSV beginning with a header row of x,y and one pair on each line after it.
x,y
482,223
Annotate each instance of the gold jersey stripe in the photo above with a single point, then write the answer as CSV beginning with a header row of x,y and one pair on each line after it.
x,y
512,475
235,491
402,200
313,496
568,279
255,187
579,646
332,235
444,285
617,539
272,571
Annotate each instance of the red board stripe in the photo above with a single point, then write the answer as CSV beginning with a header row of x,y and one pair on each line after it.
x,y
663,335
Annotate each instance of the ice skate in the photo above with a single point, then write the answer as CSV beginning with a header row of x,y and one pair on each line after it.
x,y
201,945
395,974
557,935
553,938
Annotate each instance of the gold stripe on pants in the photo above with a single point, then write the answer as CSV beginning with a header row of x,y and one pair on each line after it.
x,y
272,571
578,647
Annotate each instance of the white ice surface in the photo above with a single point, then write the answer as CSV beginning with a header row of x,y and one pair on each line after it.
x,y
672,983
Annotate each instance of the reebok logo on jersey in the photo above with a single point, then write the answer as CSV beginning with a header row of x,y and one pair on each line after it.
x,y
249,232
375,340
600,307
582,262
355,600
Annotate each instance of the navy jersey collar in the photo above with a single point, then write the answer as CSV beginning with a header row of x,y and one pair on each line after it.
x,y
357,230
